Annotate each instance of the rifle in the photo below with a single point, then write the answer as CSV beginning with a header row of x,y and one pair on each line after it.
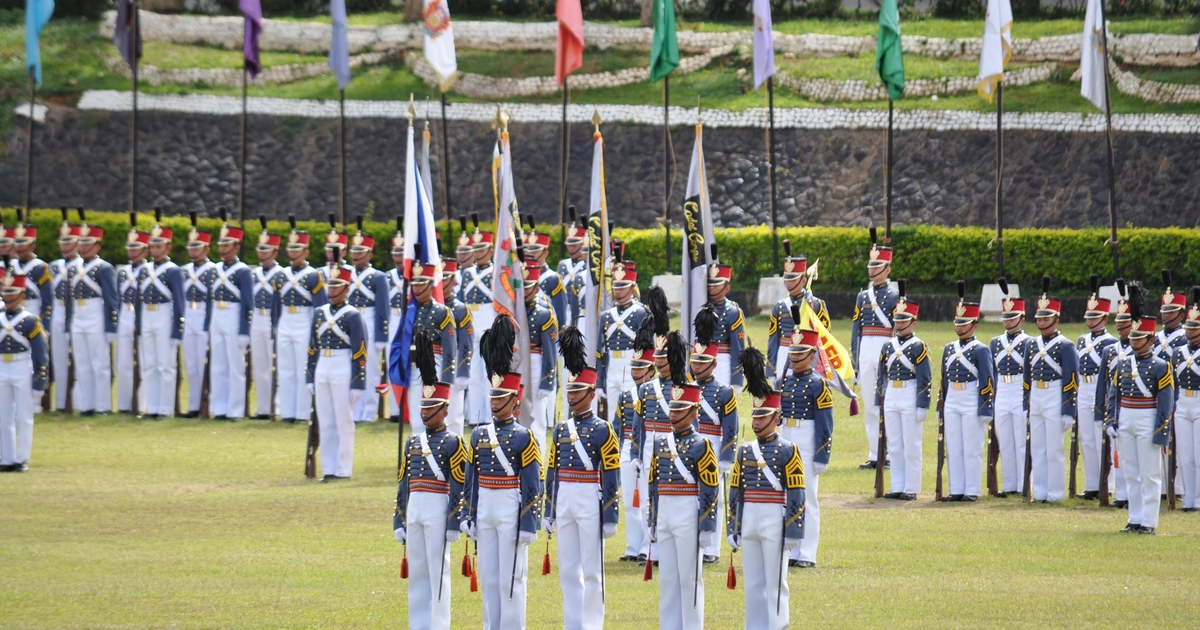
x,y
1171,466
1074,457
249,372
993,455
70,378
881,457
137,375
1105,466
314,442
178,381
204,384
1027,492
274,377
941,452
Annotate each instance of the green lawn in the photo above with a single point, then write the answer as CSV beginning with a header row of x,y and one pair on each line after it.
x,y
528,63
1188,76
190,523
862,68
167,55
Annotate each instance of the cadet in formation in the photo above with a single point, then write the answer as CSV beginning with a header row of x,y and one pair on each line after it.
x,y
198,277
1115,355
618,324
161,297
60,347
717,422
337,374
1008,354
299,292
573,271
543,354
92,322
780,325
477,294
1051,387
767,474
432,474
730,334
369,286
965,402
1090,347
464,331
903,389
1185,366
582,491
434,320
137,244
228,324
871,328
262,322
23,380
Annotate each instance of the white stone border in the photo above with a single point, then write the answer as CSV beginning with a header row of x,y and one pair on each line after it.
x,y
785,118
827,90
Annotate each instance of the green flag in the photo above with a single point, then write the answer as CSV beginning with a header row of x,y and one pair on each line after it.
x,y
889,57
664,56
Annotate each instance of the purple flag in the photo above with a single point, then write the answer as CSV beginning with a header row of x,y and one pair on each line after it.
x,y
128,35
764,43
252,9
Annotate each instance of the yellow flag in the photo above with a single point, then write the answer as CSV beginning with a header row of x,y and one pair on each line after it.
x,y
833,358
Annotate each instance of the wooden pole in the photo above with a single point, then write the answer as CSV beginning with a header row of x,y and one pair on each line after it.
x,y
564,159
342,156
771,171
666,172
448,238
242,171
29,156
1112,177
1000,174
887,212
133,126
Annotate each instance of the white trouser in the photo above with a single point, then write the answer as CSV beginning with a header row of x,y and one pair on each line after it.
x,y
715,548
635,526
1048,475
126,325
650,549
368,406
580,554
157,354
762,537
454,414
678,536
538,399
1142,460
616,380
291,357
331,380
428,559
16,409
93,357
479,410
497,535
1010,432
394,322
416,389
805,439
723,371
60,357
1187,443
227,372
869,348
1116,480
195,352
903,437
1090,432
262,361
964,439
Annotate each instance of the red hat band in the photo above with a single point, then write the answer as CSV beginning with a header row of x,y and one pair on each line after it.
x,y
1097,307
533,274
90,232
804,340
505,385
24,234
1144,327
1174,301
586,379
705,352
880,256
684,396
230,233
436,394
266,239
137,239
624,275
796,266
643,359
768,405
449,266
298,238
362,241
1048,307
967,311
196,237
906,310
482,239
718,274
161,235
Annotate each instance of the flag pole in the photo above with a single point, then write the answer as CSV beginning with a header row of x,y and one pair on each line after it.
x,y
342,156
887,212
563,160
29,157
242,169
446,174
666,178
1112,186
771,169
1000,173
133,126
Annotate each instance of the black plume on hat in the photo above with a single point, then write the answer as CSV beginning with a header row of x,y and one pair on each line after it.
x,y
192,216
1046,285
158,214
572,348
497,345
962,289
332,221
571,212
262,220
64,213
656,304
902,286
1166,278
874,235
754,367
1094,282
1003,285
1136,299
292,221
423,355
462,222
706,324
1121,287
475,219
787,247
795,315
223,213
677,357
644,339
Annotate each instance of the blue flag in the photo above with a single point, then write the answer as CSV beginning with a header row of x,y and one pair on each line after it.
x,y
37,14
339,48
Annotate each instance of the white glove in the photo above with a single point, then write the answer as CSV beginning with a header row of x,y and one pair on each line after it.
x,y
984,421
819,468
610,530
653,534
735,541
637,465
548,525
600,394
37,398
110,337
921,414
467,528
380,346
525,539
401,535
312,389
460,383
1111,431
791,543
355,396
708,539
1067,423
724,467
451,536
243,342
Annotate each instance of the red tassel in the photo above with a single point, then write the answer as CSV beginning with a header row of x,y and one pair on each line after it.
x,y
649,574
637,497
854,406
404,564
474,580
546,558
731,577
466,563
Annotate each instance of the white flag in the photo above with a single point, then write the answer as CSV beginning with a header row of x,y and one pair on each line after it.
x,y
419,226
697,236
764,43
1093,56
439,41
997,46
508,288
596,299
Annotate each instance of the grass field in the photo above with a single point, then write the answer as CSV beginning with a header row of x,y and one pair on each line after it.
x,y
124,522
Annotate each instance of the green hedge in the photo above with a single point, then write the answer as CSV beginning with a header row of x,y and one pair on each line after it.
x,y
931,258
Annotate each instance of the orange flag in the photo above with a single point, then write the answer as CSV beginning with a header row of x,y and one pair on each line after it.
x,y
569,56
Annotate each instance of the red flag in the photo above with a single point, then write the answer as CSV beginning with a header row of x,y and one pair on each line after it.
x,y
569,56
